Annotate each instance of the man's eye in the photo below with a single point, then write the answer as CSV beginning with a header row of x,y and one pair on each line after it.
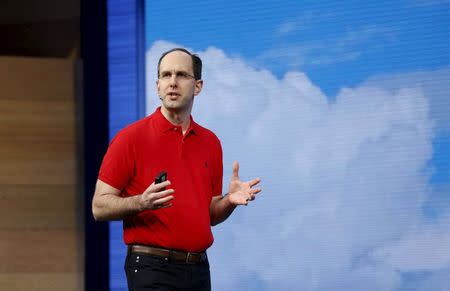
x,y
182,75
166,75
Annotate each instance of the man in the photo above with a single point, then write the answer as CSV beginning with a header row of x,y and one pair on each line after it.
x,y
167,226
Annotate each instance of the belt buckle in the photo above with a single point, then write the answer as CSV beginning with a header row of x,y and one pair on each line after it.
x,y
187,257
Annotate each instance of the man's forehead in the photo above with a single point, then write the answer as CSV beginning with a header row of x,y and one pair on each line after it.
x,y
176,60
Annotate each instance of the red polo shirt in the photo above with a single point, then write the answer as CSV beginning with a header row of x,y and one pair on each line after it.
x,y
193,163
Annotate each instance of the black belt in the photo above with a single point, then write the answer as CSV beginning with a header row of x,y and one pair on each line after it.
x,y
177,256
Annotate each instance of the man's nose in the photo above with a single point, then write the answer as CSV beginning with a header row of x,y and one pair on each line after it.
x,y
173,80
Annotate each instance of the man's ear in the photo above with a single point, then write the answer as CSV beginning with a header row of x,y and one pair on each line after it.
x,y
198,87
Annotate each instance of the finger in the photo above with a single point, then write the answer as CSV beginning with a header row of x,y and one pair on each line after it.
x,y
166,206
248,199
255,191
149,188
235,170
160,186
242,201
158,195
157,187
161,201
254,182
162,206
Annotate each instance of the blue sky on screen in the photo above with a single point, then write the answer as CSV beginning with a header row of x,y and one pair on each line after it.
x,y
343,109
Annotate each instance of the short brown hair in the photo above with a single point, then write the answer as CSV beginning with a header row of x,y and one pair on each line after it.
x,y
196,61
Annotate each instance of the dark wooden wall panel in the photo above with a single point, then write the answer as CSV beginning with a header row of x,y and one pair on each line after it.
x,y
41,233
56,207
41,281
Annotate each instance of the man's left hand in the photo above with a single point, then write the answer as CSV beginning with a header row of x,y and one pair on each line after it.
x,y
239,192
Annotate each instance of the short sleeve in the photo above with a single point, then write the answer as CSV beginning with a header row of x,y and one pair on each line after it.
x,y
218,169
118,166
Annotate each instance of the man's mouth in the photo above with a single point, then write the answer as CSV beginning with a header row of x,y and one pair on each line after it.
x,y
173,94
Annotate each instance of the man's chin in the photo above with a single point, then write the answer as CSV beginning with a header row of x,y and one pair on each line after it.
x,y
172,105
176,106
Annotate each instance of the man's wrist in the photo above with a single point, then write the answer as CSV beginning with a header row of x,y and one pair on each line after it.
x,y
228,202
135,203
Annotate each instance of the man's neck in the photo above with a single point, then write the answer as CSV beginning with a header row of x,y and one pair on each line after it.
x,y
182,118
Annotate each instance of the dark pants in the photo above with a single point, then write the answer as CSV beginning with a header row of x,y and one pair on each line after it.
x,y
146,272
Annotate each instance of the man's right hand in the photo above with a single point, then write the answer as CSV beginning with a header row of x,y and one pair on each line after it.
x,y
107,204
153,198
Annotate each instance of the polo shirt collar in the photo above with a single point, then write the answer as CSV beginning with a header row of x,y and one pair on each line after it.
x,y
165,125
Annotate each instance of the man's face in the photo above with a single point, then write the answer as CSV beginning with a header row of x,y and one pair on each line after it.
x,y
176,85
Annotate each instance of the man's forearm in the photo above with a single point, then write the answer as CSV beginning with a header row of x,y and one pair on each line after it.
x,y
221,208
112,207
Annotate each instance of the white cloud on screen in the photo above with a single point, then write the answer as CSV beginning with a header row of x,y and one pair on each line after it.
x,y
302,22
407,254
344,183
435,83
347,46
